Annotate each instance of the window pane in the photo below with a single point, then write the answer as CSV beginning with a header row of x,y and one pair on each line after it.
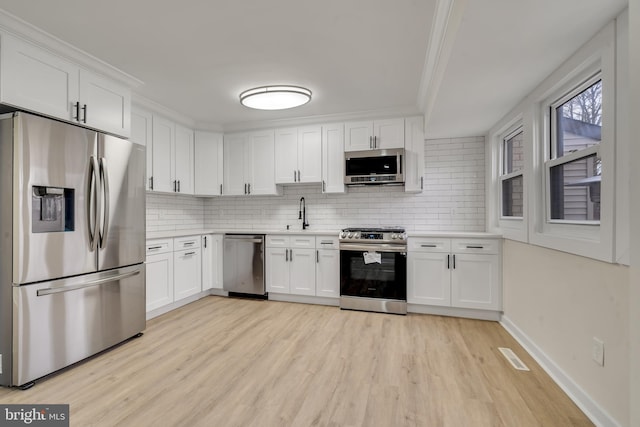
x,y
579,121
512,192
513,154
575,190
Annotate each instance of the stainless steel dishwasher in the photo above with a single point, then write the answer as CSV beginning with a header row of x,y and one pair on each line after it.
x,y
244,265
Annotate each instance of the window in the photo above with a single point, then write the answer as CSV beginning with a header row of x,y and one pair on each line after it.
x,y
574,165
512,182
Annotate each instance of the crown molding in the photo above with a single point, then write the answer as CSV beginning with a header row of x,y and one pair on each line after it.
x,y
154,107
325,118
444,28
15,26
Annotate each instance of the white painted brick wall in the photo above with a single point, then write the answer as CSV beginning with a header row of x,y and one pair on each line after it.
x,y
453,200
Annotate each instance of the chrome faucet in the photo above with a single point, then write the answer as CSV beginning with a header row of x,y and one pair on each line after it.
x,y
302,213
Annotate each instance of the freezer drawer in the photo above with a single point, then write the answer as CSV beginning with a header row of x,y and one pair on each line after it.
x,y
61,322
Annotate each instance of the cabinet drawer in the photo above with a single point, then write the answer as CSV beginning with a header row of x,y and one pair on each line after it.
x,y
476,246
327,242
159,246
190,242
428,244
303,242
278,241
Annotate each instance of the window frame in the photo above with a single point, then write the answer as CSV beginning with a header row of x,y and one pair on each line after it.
x,y
511,132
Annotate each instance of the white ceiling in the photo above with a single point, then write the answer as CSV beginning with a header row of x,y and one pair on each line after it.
x,y
357,56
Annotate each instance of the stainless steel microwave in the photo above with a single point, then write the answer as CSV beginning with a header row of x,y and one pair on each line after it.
x,y
374,167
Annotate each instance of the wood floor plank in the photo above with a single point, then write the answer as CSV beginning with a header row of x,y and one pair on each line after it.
x,y
233,362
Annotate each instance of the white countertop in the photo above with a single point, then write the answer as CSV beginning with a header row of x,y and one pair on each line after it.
x,y
194,232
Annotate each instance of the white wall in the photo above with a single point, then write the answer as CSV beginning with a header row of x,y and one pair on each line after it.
x,y
559,302
453,199
634,294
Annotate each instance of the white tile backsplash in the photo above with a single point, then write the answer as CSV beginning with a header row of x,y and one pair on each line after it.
x,y
453,200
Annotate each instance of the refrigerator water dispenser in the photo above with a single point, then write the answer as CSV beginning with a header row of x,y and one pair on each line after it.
x,y
52,209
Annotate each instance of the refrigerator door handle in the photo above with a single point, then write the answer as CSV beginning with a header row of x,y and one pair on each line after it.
x,y
92,208
104,179
51,291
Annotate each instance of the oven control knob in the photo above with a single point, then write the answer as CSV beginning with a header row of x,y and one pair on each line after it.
x,y
356,235
403,236
343,234
350,235
394,236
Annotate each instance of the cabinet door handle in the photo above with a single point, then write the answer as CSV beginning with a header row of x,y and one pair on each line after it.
x,y
286,255
189,243
324,186
174,186
299,180
221,189
150,183
422,182
153,248
245,188
178,186
290,254
205,242
294,175
84,108
448,262
475,247
77,116
375,142
370,142
454,261
249,188
427,246
317,256
189,253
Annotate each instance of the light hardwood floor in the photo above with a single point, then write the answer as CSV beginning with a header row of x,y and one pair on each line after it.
x,y
231,362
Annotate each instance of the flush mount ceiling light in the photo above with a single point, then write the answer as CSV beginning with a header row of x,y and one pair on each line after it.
x,y
275,97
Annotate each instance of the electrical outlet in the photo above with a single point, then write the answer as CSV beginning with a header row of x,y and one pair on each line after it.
x,y
597,351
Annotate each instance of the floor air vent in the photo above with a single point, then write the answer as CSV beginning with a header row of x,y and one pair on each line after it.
x,y
513,359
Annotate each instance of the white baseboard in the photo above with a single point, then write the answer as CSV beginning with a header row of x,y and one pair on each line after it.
x,y
467,313
177,304
589,406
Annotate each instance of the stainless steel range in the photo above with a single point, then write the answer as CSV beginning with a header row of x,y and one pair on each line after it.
x,y
373,269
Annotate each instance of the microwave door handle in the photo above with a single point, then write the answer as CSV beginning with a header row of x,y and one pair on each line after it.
x,y
104,175
92,201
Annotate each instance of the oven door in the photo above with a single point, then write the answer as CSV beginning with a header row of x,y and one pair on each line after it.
x,y
381,275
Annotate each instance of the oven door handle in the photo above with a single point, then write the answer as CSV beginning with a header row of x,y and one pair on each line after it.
x,y
373,248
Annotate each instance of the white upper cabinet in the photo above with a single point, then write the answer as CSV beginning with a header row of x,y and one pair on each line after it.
x,y
172,157
249,164
163,141
286,155
183,160
414,155
142,133
208,164
298,155
34,79
333,158
369,135
104,104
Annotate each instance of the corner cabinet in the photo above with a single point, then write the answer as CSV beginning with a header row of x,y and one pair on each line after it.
x,y
455,272
249,164
34,79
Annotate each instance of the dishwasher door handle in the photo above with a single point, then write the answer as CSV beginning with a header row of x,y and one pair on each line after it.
x,y
244,239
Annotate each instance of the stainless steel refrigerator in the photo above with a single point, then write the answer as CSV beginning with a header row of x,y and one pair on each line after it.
x,y
72,248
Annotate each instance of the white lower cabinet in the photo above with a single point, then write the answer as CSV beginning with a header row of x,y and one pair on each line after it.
x,y
461,273
303,265
289,261
181,267
212,261
327,267
159,275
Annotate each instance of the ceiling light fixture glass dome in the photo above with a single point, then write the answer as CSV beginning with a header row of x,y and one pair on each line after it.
x,y
275,97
